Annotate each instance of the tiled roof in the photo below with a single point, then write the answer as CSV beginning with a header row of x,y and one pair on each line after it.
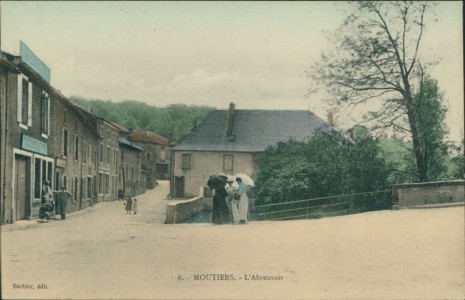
x,y
253,130
149,137
118,127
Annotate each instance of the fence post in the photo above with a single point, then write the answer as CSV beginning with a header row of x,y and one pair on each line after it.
x,y
307,208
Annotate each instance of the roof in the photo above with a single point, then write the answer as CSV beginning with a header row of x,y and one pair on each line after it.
x,y
118,127
253,130
149,137
123,141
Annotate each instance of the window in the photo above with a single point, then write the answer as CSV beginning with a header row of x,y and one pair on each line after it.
x,y
89,187
108,155
37,181
89,153
83,187
107,184
57,181
122,156
186,161
76,181
24,101
162,155
115,157
76,147
101,153
148,156
44,113
100,183
65,182
84,157
64,142
228,163
50,174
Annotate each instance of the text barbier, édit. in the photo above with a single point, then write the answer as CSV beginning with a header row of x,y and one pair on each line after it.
x,y
236,277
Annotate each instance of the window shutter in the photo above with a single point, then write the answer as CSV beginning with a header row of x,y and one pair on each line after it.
x,y
19,100
42,112
29,105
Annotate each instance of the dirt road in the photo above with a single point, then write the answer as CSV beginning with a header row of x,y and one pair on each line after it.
x,y
103,253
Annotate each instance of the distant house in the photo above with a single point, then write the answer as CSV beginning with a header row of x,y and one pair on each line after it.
x,y
156,156
230,142
132,178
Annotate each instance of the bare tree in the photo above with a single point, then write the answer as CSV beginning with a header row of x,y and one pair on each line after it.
x,y
376,55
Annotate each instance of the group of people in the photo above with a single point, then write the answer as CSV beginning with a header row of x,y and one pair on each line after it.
x,y
230,203
130,205
53,202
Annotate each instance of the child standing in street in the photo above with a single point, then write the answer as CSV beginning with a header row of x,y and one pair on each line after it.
x,y
134,206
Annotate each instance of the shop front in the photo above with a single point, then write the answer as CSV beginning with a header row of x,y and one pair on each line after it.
x,y
31,168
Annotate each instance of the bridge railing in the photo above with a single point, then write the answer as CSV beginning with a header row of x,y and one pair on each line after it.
x,y
322,207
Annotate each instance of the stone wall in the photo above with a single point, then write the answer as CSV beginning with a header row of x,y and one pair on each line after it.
x,y
180,210
428,193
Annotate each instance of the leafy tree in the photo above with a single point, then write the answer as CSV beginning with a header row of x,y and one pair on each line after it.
x,y
430,115
325,166
457,161
377,56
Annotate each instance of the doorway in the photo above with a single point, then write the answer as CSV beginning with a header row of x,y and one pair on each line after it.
x,y
179,186
22,187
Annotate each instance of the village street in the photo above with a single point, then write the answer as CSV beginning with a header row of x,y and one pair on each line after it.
x,y
104,253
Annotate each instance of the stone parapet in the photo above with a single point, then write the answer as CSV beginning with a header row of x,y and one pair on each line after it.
x,y
179,210
428,194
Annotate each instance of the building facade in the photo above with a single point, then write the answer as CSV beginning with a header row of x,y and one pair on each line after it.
x,y
231,141
46,137
27,138
76,158
156,156
132,179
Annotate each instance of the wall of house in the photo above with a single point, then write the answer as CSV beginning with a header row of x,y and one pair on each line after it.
x,y
132,180
76,166
4,71
108,153
204,164
428,193
155,161
26,164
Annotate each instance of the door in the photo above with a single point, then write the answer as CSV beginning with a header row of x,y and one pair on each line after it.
x,y
22,185
179,186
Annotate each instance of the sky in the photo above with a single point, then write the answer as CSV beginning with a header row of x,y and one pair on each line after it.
x,y
254,54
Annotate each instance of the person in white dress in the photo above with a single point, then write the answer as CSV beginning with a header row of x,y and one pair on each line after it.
x,y
232,203
243,201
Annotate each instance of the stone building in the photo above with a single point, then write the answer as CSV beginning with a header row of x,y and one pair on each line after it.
x,y
230,141
76,156
132,178
44,136
27,137
156,156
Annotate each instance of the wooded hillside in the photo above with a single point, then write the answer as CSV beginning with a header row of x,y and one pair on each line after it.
x,y
178,119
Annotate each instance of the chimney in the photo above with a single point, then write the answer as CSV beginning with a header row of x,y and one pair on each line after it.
x,y
229,130
331,121
171,137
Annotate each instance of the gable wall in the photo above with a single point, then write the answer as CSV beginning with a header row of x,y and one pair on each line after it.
x,y
204,164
